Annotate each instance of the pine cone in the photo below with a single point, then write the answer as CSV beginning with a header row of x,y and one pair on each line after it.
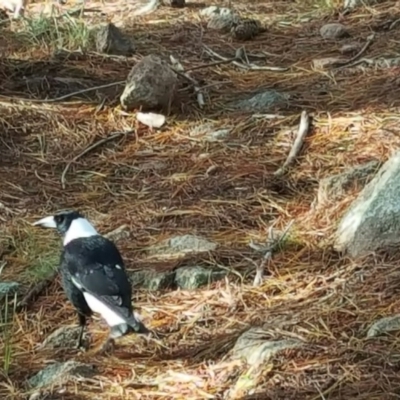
x,y
246,29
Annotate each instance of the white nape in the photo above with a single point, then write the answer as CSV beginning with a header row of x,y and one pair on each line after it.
x,y
79,228
97,306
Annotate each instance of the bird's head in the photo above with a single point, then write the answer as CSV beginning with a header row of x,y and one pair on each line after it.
x,y
69,224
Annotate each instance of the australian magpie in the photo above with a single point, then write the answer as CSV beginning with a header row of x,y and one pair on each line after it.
x,y
93,275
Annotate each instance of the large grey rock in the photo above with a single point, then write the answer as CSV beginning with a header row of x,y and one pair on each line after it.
x,y
151,84
372,222
255,347
65,336
8,289
153,280
193,277
60,372
111,40
180,245
334,187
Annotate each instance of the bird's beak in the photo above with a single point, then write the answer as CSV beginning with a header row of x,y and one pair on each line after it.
x,y
47,222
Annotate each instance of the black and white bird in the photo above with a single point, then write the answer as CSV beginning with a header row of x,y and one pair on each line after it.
x,y
93,276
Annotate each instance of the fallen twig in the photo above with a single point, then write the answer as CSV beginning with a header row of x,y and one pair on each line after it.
x,y
178,68
67,95
242,65
339,64
36,289
298,143
268,250
90,148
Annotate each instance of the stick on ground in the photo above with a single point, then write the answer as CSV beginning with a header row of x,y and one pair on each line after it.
x,y
238,64
90,148
298,143
268,250
178,68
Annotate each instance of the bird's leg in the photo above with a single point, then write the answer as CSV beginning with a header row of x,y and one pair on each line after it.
x,y
82,324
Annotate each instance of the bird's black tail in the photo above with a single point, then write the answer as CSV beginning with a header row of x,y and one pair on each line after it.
x,y
137,326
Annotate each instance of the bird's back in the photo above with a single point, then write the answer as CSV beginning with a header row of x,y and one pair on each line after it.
x,y
98,253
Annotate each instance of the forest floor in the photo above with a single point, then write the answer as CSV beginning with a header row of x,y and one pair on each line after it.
x,y
160,183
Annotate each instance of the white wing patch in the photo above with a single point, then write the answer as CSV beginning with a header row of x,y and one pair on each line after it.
x,y
79,228
75,282
118,266
109,315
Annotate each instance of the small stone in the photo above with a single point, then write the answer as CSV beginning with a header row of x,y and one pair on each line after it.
x,y
334,31
63,337
334,187
110,40
8,289
150,84
321,63
350,48
384,325
153,280
60,372
261,102
246,29
181,245
193,277
255,347
209,133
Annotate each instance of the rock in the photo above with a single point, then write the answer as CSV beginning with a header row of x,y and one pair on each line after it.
x,y
350,48
334,187
63,337
261,102
110,40
254,346
321,63
8,289
175,3
150,84
193,277
153,280
334,31
220,18
384,325
372,222
209,133
60,372
181,245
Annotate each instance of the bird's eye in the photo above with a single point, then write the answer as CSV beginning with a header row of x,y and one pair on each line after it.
x,y
59,219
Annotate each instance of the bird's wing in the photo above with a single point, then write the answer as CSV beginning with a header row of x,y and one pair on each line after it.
x,y
109,284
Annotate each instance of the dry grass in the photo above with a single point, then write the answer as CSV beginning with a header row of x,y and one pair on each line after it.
x,y
156,183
